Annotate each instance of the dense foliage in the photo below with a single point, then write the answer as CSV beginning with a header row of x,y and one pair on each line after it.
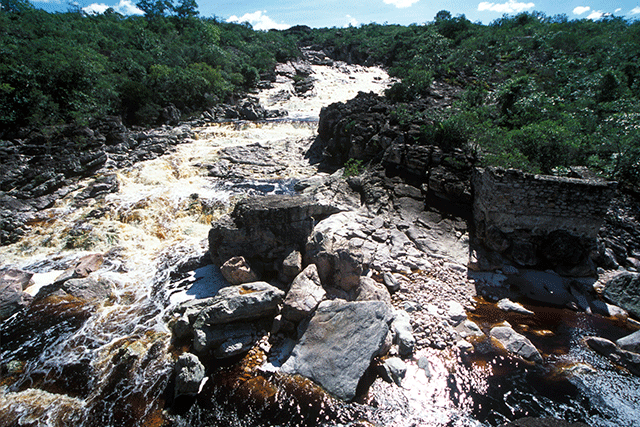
x,y
69,67
535,92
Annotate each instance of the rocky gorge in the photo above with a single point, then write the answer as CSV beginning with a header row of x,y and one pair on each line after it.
x,y
344,280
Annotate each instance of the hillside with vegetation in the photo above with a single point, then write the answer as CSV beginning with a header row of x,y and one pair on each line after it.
x,y
533,92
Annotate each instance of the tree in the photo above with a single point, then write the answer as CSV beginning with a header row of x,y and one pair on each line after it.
x,y
187,9
153,9
14,6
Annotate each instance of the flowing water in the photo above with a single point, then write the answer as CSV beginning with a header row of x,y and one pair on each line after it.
x,y
67,364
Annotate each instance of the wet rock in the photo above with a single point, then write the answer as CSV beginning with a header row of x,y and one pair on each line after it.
x,y
508,305
516,343
403,331
237,271
249,301
624,358
623,290
83,268
305,294
101,186
339,344
542,422
189,374
88,289
630,342
223,341
13,282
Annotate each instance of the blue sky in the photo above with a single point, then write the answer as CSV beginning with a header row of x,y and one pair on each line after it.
x,y
282,14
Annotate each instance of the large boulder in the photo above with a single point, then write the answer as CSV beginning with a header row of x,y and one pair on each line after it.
x,y
617,355
335,248
624,291
516,343
13,282
265,229
305,294
339,344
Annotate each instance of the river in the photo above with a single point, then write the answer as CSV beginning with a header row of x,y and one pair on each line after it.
x,y
68,365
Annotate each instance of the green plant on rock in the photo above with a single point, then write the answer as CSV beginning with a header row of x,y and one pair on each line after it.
x,y
353,167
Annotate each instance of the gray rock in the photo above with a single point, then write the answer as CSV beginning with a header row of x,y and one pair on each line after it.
x,y
305,294
83,268
292,265
624,358
88,289
403,331
339,263
224,340
516,343
456,312
242,302
624,291
394,370
630,342
370,290
13,282
339,344
391,282
264,230
424,364
237,271
189,374
506,304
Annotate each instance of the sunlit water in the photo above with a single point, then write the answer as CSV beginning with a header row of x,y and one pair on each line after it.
x,y
68,365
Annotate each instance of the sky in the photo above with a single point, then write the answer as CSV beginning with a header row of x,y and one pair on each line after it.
x,y
282,14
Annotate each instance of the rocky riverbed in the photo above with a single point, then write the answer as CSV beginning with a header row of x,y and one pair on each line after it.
x,y
116,312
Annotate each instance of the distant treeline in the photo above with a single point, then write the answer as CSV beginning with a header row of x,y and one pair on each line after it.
x,y
538,93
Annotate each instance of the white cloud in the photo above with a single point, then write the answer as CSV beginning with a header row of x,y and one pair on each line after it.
x,y
258,20
351,21
596,14
617,10
635,10
125,7
401,4
510,6
581,9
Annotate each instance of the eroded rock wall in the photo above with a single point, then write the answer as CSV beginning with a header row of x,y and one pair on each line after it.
x,y
540,221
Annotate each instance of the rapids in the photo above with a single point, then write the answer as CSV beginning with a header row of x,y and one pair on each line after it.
x,y
65,365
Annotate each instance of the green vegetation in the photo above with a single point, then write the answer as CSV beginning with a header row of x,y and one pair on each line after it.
x,y
70,67
352,167
534,92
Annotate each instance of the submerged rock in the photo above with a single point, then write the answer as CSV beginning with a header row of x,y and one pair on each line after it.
x,y
516,343
339,344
